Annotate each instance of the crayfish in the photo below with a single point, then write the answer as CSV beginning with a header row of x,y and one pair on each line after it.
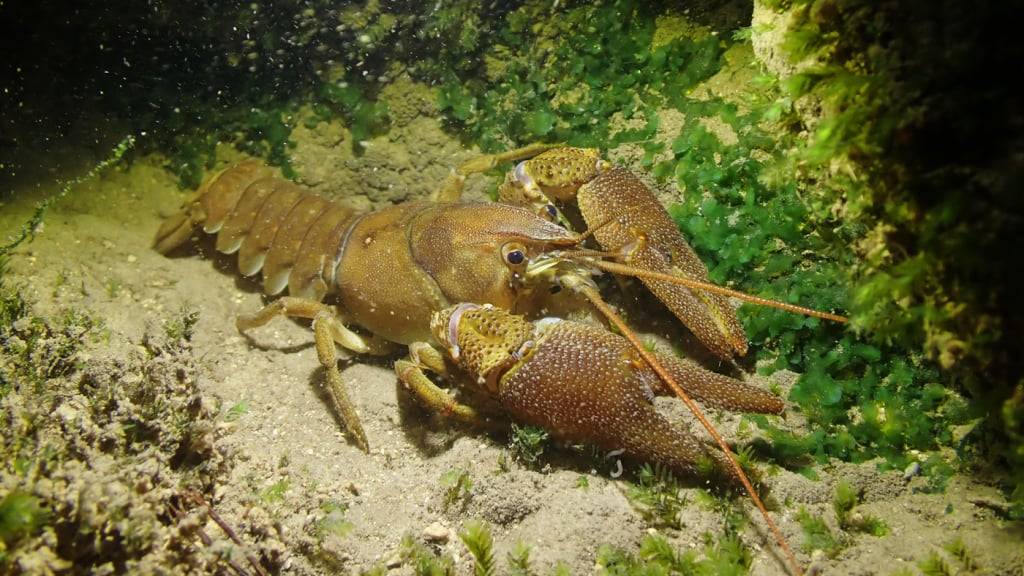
x,y
468,286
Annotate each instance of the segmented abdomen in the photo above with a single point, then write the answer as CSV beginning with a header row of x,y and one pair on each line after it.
x,y
294,236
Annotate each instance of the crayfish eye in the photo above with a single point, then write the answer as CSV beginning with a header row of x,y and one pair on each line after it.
x,y
552,211
515,257
514,254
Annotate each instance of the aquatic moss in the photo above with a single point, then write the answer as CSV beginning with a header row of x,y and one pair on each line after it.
x,y
565,80
911,152
758,231
423,561
264,132
721,555
844,501
724,555
35,221
99,457
818,536
518,559
36,350
934,565
528,443
657,496
21,516
365,117
457,486
477,538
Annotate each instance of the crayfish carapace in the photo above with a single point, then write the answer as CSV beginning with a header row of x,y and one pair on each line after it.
x,y
398,272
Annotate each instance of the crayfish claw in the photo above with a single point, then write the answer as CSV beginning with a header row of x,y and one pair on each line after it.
x,y
583,384
628,219
714,389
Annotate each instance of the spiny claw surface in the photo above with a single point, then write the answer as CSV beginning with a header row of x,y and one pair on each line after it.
x,y
554,175
630,219
585,384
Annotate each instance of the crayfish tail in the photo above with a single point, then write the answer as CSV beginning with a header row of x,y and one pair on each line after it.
x,y
175,231
210,206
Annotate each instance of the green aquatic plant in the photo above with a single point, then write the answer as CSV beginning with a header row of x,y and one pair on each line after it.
x,y
924,185
192,154
96,422
453,35
365,117
237,410
182,326
818,536
566,80
477,538
29,229
518,559
333,522
263,130
112,287
423,561
528,443
275,493
457,486
561,569
35,349
657,495
757,231
957,549
935,565
724,555
844,501
21,515
863,397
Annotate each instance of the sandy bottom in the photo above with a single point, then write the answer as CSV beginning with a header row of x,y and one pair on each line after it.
x,y
292,466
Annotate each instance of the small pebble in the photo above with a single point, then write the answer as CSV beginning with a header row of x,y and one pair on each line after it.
x,y
436,533
819,561
912,470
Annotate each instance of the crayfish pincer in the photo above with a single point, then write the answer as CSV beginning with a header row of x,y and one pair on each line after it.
x,y
580,382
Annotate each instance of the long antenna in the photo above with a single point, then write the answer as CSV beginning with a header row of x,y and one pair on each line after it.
x,y
599,303
627,270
